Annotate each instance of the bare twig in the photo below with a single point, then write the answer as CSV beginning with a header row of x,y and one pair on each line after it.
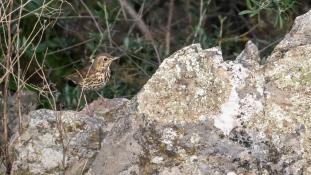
x,y
168,28
220,35
19,87
107,25
70,47
139,13
202,13
14,61
6,86
97,26
138,20
188,10
63,137
69,17
141,25
43,76
25,15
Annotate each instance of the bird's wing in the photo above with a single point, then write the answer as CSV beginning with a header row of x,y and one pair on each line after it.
x,y
75,77
80,74
89,69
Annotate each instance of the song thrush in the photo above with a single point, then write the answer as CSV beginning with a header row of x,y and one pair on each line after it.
x,y
95,75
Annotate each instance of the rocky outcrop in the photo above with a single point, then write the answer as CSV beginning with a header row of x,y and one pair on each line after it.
x,y
55,140
197,114
58,142
188,118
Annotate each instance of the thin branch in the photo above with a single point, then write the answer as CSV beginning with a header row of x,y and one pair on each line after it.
x,y
70,47
168,28
138,20
70,17
6,86
107,25
202,12
140,24
97,26
19,87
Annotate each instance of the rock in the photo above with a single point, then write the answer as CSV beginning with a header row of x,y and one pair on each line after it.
x,y
197,114
288,98
53,140
122,151
299,35
3,169
28,102
184,89
181,122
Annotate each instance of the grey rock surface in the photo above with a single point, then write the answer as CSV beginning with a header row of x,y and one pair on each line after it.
x,y
60,142
18,109
299,35
122,149
3,169
54,140
181,122
196,115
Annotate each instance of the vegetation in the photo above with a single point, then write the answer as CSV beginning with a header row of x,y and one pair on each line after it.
x,y
49,39
42,41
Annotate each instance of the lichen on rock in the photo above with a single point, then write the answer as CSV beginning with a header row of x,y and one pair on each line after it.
x,y
187,86
54,140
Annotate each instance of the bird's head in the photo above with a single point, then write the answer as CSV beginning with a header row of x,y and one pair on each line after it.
x,y
103,61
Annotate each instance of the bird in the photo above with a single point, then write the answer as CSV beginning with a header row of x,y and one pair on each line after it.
x,y
95,75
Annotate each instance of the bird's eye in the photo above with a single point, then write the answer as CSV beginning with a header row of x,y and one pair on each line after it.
x,y
105,59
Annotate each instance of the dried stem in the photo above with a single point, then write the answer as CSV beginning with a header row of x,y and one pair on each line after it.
x,y
97,26
6,85
140,24
63,137
19,81
138,20
168,28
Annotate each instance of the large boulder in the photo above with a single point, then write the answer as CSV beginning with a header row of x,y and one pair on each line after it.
x,y
189,118
57,142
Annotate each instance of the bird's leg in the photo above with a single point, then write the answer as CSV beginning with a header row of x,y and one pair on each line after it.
x,y
87,108
80,97
99,94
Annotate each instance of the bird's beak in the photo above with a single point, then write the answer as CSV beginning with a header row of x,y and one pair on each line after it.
x,y
115,58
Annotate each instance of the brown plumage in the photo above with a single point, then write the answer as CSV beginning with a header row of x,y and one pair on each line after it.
x,y
95,75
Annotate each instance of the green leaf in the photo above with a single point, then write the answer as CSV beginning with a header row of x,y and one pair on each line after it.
x,y
126,42
248,4
244,12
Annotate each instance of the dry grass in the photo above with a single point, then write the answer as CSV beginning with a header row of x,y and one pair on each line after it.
x,y
13,49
